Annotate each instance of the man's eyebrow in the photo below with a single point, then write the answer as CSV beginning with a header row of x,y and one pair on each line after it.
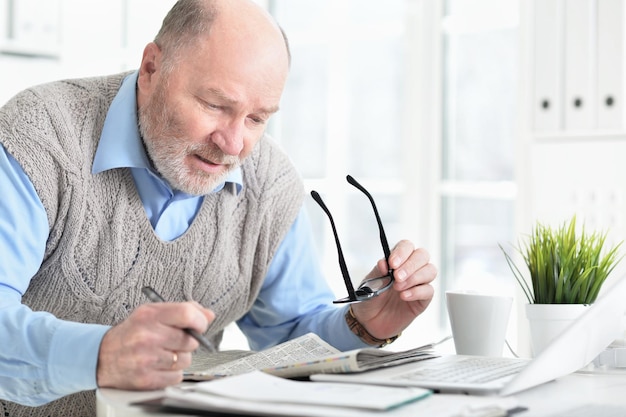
x,y
219,94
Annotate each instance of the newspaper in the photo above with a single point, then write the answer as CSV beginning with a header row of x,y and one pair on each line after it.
x,y
304,356
227,363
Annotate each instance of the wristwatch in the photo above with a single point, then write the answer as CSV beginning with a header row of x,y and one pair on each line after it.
x,y
358,329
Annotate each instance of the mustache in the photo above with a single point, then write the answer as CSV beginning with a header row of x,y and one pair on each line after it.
x,y
213,154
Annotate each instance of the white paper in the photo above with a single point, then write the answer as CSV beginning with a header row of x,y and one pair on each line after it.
x,y
247,387
259,387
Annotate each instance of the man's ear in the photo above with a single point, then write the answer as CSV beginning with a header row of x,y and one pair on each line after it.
x,y
150,65
148,72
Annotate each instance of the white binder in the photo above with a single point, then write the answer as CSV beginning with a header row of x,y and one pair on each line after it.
x,y
547,62
610,92
579,100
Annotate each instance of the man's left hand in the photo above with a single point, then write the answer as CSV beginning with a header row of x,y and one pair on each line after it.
x,y
391,312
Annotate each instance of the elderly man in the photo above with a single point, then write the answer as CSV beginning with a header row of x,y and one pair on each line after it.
x,y
163,177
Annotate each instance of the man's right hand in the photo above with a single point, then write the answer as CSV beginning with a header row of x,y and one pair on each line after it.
x,y
149,350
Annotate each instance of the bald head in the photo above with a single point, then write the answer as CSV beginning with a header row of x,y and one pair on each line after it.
x,y
190,21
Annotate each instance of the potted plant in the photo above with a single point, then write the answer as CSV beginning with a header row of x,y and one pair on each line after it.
x,y
567,269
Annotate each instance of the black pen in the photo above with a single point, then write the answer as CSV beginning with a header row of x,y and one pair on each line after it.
x,y
155,297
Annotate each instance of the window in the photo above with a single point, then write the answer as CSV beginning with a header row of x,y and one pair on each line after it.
x,y
480,61
342,113
417,101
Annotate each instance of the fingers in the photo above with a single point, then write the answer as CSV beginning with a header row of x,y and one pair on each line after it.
x,y
413,272
177,361
420,292
167,371
208,314
181,315
394,310
171,361
405,259
149,350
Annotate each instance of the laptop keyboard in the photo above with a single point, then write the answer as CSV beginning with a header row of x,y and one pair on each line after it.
x,y
471,369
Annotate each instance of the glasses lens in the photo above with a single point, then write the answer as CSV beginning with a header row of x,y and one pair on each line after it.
x,y
375,285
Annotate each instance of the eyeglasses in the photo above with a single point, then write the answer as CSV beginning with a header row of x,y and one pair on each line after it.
x,y
370,287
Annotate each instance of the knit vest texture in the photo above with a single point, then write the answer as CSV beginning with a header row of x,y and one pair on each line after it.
x,y
102,249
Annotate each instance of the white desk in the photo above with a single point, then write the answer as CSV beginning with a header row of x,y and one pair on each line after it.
x,y
543,401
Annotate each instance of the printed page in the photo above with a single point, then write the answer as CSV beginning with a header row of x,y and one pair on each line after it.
x,y
334,364
356,360
203,360
301,349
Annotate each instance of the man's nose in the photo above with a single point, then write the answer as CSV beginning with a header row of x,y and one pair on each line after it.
x,y
229,137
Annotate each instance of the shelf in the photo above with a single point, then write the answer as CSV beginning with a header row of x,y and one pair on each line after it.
x,y
579,136
29,50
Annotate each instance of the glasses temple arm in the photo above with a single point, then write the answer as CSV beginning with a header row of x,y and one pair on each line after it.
x,y
342,261
383,237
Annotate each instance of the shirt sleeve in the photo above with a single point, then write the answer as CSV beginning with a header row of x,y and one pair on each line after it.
x,y
295,298
42,358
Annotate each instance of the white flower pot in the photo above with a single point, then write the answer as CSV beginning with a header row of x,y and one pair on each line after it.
x,y
547,321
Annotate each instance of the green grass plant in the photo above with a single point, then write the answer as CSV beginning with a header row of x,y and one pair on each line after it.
x,y
564,267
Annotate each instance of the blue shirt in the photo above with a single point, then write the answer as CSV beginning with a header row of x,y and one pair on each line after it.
x,y
43,358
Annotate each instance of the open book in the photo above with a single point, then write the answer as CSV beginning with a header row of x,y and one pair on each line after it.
x,y
304,356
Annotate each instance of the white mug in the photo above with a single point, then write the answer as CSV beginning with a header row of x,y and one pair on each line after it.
x,y
478,322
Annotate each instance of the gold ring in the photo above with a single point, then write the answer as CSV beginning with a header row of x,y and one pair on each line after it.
x,y
174,359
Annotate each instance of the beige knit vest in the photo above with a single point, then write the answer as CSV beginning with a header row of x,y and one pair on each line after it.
x,y
102,249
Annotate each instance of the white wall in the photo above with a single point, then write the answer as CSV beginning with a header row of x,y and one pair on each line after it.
x,y
83,38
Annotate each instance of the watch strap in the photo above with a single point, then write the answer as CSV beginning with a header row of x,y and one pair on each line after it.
x,y
357,328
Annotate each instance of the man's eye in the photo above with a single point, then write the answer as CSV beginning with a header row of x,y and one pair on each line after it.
x,y
208,105
257,120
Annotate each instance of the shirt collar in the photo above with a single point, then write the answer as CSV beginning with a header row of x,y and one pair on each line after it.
x,y
120,143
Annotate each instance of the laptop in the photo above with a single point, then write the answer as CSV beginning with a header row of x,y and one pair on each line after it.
x,y
572,350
